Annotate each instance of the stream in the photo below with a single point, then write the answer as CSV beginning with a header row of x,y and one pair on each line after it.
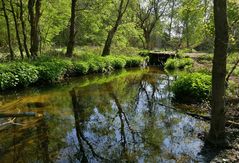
x,y
117,117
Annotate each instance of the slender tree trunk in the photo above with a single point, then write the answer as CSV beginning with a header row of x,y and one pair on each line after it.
x,y
171,19
16,29
187,34
231,71
71,42
217,128
147,40
12,56
24,30
34,23
111,33
108,42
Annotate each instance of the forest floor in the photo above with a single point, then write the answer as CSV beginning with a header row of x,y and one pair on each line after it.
x,y
230,154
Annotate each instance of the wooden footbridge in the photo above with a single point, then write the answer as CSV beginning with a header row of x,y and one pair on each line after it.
x,y
157,57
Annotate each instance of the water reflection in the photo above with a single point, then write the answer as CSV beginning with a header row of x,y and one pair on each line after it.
x,y
113,118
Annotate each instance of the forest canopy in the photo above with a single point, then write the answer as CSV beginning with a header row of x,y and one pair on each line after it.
x,y
148,24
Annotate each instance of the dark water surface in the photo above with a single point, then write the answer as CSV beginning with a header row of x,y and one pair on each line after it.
x,y
100,118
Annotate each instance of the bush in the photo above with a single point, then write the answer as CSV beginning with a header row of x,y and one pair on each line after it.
x,y
96,63
7,80
185,62
81,67
172,64
53,69
115,62
101,64
133,61
50,69
144,53
17,74
205,57
193,87
25,73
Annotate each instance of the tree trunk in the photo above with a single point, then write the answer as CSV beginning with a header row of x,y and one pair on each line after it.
x,y
34,23
187,34
147,40
111,33
71,42
16,29
12,56
217,128
24,30
108,42
171,19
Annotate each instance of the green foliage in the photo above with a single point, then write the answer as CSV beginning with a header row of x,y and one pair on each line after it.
x,y
98,64
205,57
172,64
17,74
180,54
144,53
194,87
236,70
185,50
191,13
52,69
81,67
201,69
25,73
116,62
54,19
133,61
7,80
232,58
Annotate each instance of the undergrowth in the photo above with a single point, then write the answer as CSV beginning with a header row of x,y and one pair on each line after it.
x,y
50,69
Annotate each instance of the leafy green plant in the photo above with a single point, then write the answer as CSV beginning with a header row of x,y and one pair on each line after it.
x,y
194,87
205,57
171,64
185,62
133,61
81,67
17,74
174,63
53,69
116,62
7,80
24,72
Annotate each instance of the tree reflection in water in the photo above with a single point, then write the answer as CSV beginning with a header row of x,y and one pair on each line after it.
x,y
123,120
102,120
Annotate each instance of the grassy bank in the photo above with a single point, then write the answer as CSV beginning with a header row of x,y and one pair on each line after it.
x,y
55,68
193,82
